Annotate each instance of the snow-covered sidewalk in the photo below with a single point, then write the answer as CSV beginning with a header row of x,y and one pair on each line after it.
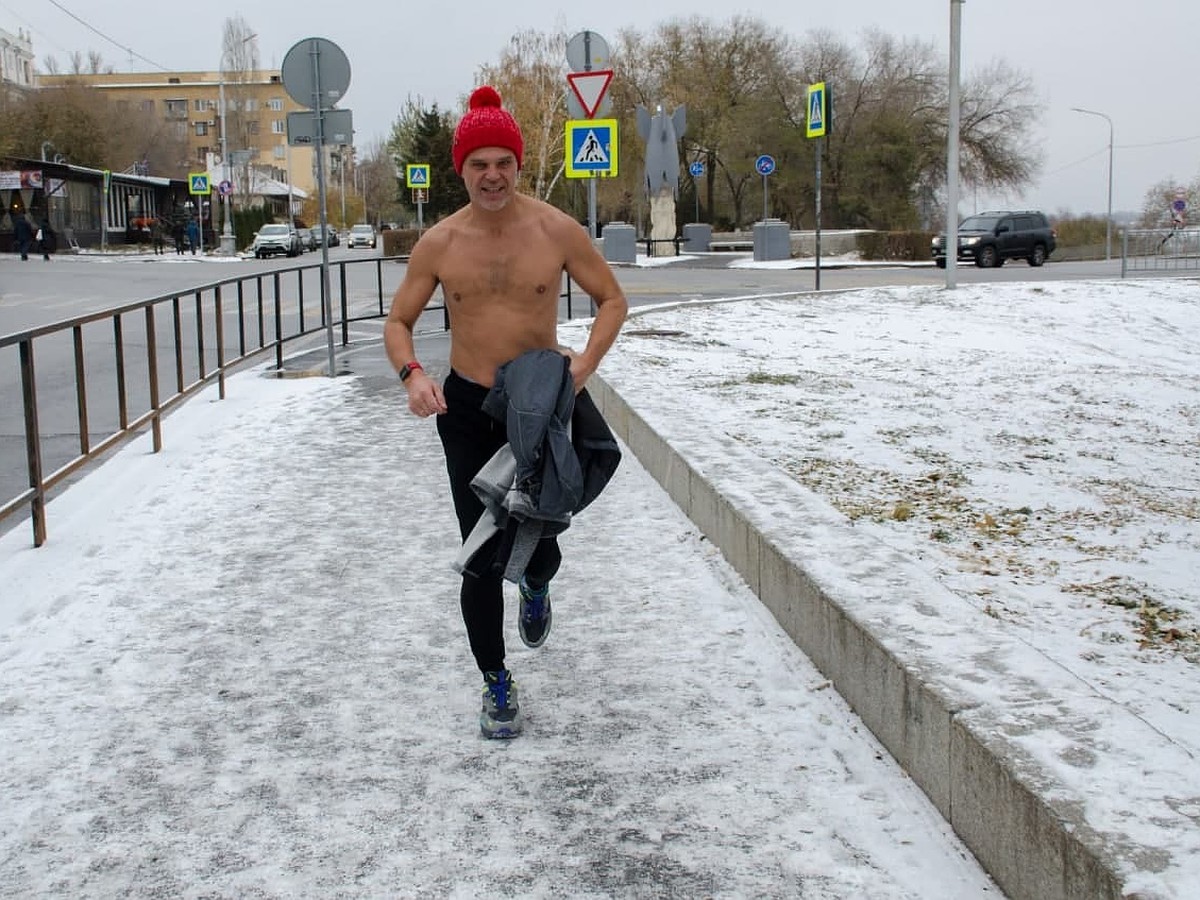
x,y
237,669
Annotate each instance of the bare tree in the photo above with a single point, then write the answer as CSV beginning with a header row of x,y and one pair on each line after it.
x,y
531,77
239,66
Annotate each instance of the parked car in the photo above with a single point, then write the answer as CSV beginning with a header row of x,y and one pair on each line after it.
x,y
320,236
989,238
277,238
361,236
307,240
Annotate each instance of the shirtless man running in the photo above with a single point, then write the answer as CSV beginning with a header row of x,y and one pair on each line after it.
x,y
499,261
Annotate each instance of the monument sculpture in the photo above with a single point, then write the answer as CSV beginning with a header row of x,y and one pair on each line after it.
x,y
662,134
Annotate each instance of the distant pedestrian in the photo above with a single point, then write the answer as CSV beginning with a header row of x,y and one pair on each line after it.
x,y
156,235
193,234
47,239
177,236
23,235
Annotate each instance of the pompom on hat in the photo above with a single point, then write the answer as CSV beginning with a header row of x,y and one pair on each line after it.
x,y
486,124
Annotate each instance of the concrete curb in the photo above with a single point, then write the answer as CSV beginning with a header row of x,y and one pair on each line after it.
x,y
978,761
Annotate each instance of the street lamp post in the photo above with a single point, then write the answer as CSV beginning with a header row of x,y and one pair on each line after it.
x,y
1108,221
228,244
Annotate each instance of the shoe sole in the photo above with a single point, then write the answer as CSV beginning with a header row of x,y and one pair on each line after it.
x,y
500,731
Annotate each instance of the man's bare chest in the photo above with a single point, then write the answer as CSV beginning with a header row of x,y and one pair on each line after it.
x,y
509,274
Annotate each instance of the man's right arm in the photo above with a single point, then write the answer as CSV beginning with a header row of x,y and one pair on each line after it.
x,y
409,301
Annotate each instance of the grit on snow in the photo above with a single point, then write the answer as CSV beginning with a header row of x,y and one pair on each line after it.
x,y
1034,447
237,669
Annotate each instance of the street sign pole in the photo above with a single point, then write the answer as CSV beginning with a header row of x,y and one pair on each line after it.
x,y
326,291
325,73
817,236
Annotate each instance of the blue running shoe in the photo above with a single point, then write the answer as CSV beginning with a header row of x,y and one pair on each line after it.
x,y
533,618
501,713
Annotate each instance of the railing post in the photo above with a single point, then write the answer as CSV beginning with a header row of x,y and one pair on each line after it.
x,y
379,284
33,444
85,439
278,326
152,365
241,307
122,392
220,313
200,335
177,315
344,305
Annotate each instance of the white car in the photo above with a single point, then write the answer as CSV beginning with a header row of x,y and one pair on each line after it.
x,y
361,236
272,239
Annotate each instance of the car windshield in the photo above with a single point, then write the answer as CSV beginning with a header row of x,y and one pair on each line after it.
x,y
979,223
274,229
361,229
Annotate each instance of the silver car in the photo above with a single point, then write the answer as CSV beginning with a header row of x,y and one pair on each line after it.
x,y
361,236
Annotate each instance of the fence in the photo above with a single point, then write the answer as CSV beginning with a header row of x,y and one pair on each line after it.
x,y
1165,249
92,382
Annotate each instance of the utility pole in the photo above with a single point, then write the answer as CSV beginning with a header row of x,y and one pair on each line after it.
x,y
227,241
342,174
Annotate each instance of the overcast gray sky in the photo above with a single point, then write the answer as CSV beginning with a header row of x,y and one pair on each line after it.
x,y
1129,61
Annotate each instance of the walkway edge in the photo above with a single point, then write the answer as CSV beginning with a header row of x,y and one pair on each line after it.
x,y
1029,829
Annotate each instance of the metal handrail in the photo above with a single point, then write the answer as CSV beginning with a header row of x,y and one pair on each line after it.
x,y
282,306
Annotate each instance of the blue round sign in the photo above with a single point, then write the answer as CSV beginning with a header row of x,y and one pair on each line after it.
x,y
696,169
764,165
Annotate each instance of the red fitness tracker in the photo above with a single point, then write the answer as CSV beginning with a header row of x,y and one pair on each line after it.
x,y
408,368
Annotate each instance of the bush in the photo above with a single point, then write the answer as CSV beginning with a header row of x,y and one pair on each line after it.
x,y
909,246
399,241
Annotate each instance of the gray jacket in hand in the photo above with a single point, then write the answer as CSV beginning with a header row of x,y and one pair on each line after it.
x,y
562,456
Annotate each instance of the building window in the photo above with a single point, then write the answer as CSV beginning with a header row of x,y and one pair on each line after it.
x,y
176,109
252,127
279,150
180,130
275,104
147,106
277,127
201,129
199,105
251,104
202,154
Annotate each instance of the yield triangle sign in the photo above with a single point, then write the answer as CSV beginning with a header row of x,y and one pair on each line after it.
x,y
589,88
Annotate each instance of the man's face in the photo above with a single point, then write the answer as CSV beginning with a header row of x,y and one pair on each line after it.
x,y
490,175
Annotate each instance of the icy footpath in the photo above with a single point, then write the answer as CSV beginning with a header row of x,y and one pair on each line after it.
x,y
237,669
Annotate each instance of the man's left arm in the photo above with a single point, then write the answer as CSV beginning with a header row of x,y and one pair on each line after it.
x,y
588,269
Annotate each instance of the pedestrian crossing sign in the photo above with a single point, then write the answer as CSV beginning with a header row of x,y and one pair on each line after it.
x,y
591,148
198,183
818,111
416,175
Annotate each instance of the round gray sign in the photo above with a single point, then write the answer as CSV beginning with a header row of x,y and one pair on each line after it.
x,y
587,51
315,64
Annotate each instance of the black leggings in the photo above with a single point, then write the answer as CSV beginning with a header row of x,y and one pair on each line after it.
x,y
470,437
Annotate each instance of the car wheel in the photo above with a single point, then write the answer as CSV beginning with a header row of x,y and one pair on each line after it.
x,y
940,263
1038,256
986,257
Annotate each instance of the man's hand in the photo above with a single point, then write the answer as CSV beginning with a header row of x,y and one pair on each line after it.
x,y
424,395
580,369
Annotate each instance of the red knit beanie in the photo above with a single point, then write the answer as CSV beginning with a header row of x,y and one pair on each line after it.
x,y
486,124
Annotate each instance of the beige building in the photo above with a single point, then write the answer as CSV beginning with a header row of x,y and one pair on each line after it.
x,y
256,151
16,59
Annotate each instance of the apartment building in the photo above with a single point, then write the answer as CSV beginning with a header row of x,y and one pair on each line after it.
x,y
255,106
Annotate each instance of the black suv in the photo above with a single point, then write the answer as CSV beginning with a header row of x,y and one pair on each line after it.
x,y
989,238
